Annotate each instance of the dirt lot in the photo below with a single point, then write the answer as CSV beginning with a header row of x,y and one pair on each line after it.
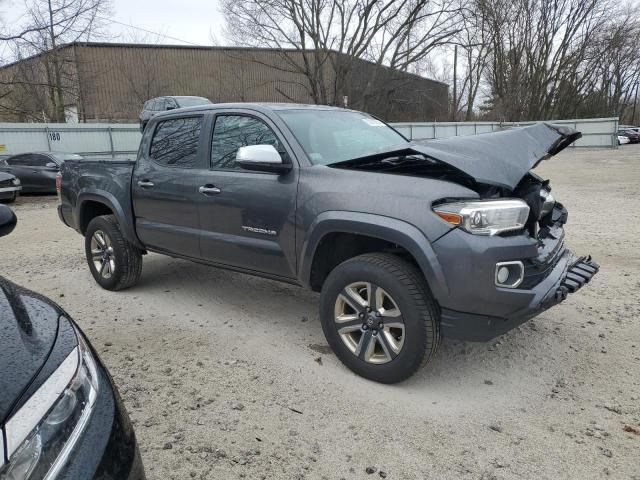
x,y
228,376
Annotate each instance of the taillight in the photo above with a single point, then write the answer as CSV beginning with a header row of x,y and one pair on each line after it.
x,y
58,183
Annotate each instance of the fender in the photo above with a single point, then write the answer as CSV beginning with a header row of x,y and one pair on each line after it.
x,y
109,200
384,228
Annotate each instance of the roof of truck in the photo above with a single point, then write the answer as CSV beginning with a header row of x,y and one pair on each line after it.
x,y
260,106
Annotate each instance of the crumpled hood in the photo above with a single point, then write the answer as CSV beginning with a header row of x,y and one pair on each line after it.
x,y
28,329
500,158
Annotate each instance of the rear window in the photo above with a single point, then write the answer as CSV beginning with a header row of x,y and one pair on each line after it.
x,y
175,142
193,102
18,161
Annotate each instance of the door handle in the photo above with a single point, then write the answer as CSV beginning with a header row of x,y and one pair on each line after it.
x,y
209,190
145,183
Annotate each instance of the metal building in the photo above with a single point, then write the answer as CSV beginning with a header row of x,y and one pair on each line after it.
x,y
108,82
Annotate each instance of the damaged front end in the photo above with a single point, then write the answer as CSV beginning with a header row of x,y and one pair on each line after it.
x,y
505,258
545,224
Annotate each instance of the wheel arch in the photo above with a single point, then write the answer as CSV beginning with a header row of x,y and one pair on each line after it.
x,y
378,228
94,203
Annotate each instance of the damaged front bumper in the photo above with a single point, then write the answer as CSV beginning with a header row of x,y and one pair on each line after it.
x,y
479,310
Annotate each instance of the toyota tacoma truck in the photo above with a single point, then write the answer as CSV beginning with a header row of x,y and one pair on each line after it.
x,y
407,242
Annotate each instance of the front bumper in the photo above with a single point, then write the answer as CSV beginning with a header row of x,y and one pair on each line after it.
x,y
9,192
476,309
569,275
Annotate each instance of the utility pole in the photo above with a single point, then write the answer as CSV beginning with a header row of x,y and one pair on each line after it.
x,y
454,106
635,102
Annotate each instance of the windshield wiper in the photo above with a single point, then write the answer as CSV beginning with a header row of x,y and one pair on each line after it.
x,y
376,158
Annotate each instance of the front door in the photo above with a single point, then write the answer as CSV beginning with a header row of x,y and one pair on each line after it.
x,y
247,219
164,186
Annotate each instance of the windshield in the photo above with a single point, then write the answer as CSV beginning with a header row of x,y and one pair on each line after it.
x,y
192,102
331,136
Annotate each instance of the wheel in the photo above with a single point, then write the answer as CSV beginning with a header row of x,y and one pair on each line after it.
x,y
379,317
115,263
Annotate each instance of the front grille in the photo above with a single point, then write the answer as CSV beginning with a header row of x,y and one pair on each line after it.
x,y
6,183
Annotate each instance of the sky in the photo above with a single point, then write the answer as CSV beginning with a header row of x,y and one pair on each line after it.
x,y
185,21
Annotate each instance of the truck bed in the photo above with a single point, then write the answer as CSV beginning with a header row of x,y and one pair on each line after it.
x,y
83,180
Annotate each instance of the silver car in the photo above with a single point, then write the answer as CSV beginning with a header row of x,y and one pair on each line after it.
x,y
162,104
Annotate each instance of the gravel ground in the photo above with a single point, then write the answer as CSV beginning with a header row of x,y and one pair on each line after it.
x,y
229,376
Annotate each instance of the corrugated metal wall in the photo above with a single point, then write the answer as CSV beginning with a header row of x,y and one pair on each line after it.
x,y
122,140
96,139
596,132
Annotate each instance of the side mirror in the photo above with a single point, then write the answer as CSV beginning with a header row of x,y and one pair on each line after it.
x,y
261,158
171,107
8,220
52,166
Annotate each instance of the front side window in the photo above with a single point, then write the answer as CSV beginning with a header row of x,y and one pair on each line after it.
x,y
39,161
234,131
175,142
331,136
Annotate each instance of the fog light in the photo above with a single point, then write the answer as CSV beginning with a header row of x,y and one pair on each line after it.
x,y
503,274
509,274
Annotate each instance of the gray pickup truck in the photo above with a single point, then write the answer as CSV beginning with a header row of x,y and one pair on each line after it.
x,y
407,242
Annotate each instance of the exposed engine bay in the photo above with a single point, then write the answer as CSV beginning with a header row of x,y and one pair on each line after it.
x,y
495,165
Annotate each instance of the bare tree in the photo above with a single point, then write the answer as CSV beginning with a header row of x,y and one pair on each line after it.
x,y
50,25
537,46
322,40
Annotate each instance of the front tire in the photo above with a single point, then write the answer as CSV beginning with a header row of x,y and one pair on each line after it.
x,y
379,317
114,262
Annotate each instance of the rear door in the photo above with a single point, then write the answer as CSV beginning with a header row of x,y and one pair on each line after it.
x,y
164,185
247,218
42,178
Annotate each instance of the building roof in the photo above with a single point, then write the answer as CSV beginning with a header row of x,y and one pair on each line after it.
x,y
199,47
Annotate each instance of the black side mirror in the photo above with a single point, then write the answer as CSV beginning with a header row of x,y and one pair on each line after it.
x,y
8,220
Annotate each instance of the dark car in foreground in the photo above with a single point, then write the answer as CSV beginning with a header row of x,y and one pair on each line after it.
x,y
9,186
162,104
60,414
407,242
37,170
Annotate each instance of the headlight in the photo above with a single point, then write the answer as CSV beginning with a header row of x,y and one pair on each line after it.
x,y
15,181
489,217
40,436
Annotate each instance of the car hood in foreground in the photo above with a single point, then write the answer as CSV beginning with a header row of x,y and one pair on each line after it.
x,y
499,158
28,330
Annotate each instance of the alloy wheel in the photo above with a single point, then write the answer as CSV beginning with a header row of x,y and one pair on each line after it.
x,y
102,254
369,322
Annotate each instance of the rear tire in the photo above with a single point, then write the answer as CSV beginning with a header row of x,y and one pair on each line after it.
x,y
114,262
379,317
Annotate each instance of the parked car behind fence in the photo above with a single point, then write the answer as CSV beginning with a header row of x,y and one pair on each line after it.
x,y
162,104
37,170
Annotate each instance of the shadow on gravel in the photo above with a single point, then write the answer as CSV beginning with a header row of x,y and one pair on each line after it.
x,y
515,365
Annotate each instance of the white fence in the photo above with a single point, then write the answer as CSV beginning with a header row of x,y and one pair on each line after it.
x,y
122,140
596,132
89,139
